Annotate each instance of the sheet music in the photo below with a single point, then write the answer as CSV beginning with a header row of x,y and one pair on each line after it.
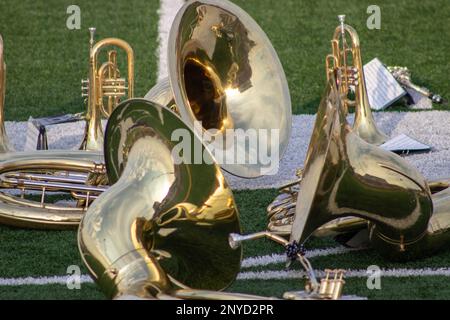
x,y
382,88
403,143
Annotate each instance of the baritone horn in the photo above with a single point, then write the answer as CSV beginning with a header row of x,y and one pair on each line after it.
x,y
105,87
225,73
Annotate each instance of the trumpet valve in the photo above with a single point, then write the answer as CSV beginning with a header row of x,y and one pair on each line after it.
x,y
84,88
332,285
114,87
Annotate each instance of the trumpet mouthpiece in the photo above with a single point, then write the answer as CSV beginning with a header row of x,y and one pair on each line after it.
x,y
341,18
92,33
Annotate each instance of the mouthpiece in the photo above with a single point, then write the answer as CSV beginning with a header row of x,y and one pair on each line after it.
x,y
341,18
92,33
234,240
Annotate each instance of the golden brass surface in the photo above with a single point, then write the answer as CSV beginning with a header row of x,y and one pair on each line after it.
x,y
15,171
155,233
346,176
105,82
345,60
224,72
4,144
162,226
352,79
76,174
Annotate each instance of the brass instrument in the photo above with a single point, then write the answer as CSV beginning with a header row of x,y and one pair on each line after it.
x,y
344,176
224,72
403,76
153,234
29,180
281,211
4,143
152,246
104,83
352,79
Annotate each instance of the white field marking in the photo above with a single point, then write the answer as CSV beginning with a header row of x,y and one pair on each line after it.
x,y
281,258
362,273
167,13
42,280
263,275
429,127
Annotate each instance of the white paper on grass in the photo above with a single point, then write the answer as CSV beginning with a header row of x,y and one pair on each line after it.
x,y
404,143
382,88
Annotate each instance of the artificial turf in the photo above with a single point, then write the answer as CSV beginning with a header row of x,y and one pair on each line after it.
x,y
46,60
412,34
37,253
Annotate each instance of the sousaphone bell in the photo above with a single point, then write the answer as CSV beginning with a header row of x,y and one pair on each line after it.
x,y
224,73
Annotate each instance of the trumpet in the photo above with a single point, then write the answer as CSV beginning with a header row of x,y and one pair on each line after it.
x,y
352,79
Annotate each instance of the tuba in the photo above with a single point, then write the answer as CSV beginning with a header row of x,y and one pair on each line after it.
x,y
344,176
352,79
225,75
144,236
30,181
281,211
153,234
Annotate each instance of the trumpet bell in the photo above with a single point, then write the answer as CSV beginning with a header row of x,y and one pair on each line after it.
x,y
164,223
225,73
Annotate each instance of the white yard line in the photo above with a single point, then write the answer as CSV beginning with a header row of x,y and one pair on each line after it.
x,y
292,274
430,127
42,280
167,12
281,258
262,275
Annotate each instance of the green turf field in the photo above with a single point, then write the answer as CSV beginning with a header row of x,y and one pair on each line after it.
x,y
46,62
25,253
